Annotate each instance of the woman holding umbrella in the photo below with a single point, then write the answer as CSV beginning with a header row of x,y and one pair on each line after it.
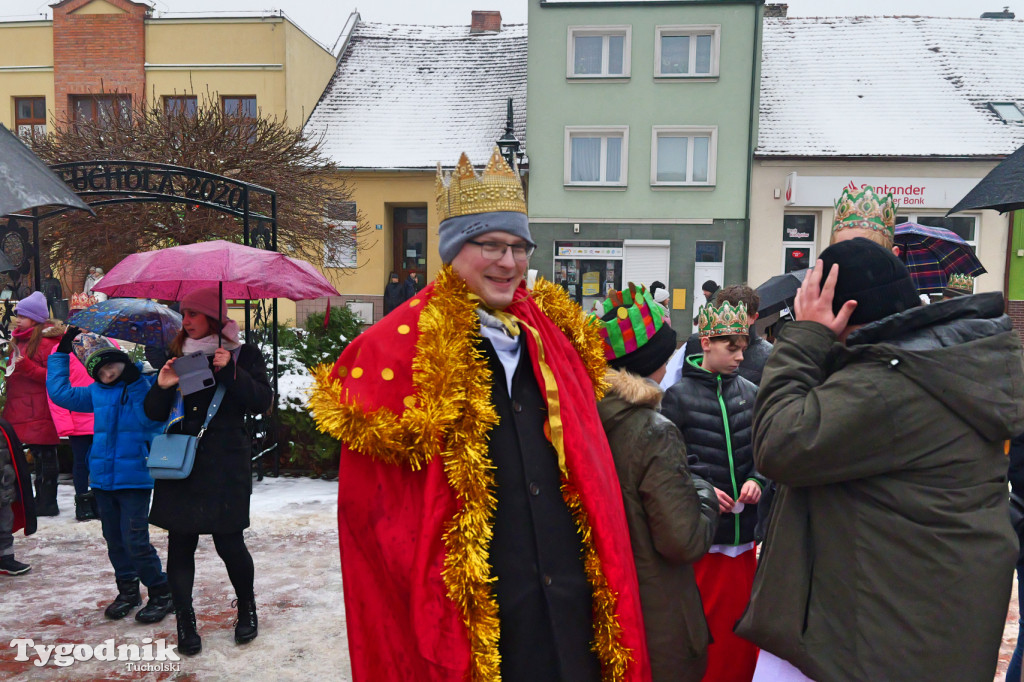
x,y
214,499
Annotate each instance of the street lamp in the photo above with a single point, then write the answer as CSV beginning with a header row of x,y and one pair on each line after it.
x,y
509,144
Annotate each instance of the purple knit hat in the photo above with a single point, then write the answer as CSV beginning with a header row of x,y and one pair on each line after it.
x,y
33,307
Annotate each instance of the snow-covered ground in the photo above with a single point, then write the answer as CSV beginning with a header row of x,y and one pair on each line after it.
x,y
293,540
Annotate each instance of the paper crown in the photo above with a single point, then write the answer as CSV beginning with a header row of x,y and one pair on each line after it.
x,y
463,192
961,283
725,320
81,301
865,210
629,319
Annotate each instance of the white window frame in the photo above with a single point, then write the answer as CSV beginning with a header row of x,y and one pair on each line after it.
x,y
811,246
914,218
603,132
689,132
624,30
693,31
338,257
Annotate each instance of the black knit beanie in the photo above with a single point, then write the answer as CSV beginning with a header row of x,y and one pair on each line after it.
x,y
871,275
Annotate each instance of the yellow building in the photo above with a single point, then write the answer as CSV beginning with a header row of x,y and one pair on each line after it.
x,y
404,99
99,58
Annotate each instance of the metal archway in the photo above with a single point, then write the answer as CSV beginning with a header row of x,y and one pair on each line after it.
x,y
111,181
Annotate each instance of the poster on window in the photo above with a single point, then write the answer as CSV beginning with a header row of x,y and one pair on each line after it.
x,y
591,283
797,258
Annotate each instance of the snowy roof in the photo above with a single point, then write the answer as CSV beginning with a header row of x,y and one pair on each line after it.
x,y
889,86
408,96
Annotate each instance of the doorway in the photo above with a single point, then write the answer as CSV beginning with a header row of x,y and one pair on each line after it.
x,y
410,242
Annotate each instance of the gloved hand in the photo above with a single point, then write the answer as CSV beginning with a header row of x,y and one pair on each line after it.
x,y
65,341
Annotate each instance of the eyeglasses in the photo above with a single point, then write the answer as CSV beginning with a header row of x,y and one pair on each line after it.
x,y
496,250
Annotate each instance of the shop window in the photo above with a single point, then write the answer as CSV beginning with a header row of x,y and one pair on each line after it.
x,y
598,52
176,105
30,116
964,226
340,251
686,51
683,155
596,156
798,241
102,110
588,269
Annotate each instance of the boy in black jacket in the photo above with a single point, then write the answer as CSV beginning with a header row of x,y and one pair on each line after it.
x,y
713,407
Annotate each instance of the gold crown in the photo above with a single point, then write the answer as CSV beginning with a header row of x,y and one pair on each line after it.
x,y
463,192
865,210
959,282
725,320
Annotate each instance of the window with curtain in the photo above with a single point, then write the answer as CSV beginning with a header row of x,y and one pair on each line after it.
x,y
687,51
595,156
598,52
30,116
683,155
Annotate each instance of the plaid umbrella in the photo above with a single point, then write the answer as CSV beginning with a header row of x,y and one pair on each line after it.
x,y
932,254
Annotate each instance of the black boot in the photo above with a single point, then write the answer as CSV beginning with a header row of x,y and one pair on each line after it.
x,y
246,627
159,604
189,641
85,507
46,497
128,598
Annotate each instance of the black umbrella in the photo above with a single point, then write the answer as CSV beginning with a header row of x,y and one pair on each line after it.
x,y
1001,190
27,182
779,291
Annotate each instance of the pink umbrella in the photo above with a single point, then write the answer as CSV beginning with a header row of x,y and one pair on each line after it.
x,y
241,271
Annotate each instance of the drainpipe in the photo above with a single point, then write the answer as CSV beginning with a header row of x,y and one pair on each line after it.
x,y
754,89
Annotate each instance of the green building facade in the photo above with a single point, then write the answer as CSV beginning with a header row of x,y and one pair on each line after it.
x,y
642,116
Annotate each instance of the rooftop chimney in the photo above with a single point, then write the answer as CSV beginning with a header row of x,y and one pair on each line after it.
x,y
779,9
485,22
1005,14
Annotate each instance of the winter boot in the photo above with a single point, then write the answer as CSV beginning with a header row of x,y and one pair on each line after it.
x,y
159,604
189,641
85,507
128,598
246,627
46,496
11,566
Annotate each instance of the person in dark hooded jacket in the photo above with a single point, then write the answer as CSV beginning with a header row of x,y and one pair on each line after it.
x,y
672,514
889,554
394,293
17,505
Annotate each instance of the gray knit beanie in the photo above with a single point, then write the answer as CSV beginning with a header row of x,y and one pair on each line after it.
x,y
456,231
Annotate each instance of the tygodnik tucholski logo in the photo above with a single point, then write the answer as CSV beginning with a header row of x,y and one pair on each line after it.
x,y
150,656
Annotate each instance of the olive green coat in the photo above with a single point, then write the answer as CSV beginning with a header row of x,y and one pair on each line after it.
x,y
889,554
672,520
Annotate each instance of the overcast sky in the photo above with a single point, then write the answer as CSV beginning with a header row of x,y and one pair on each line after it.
x,y
324,19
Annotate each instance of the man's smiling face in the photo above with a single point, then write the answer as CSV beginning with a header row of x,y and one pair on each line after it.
x,y
495,281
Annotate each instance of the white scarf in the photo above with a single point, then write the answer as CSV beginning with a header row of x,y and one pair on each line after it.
x,y
209,344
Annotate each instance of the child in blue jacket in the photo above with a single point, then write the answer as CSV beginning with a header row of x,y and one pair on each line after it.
x,y
117,464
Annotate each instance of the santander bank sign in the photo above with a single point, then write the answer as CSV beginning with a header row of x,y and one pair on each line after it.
x,y
912,193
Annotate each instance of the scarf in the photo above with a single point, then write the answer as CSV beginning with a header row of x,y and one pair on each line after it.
x,y
209,344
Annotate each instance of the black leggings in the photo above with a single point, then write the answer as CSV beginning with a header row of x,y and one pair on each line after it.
x,y
181,564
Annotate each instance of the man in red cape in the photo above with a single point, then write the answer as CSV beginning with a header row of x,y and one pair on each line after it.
x,y
481,525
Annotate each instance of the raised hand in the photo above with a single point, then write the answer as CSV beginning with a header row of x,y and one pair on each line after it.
x,y
814,303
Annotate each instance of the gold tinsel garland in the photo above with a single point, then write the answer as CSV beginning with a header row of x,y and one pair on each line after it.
x,y
452,417
581,330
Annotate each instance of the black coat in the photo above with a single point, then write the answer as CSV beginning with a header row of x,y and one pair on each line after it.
x,y
215,497
695,405
545,600
394,294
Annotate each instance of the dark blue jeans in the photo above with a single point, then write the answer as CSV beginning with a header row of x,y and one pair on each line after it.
x,y
125,518
1013,672
80,446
